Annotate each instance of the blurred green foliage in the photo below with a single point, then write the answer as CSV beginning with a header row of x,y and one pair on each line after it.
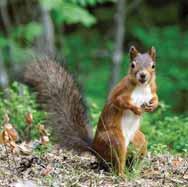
x,y
86,32
166,132
20,38
20,50
17,101
69,12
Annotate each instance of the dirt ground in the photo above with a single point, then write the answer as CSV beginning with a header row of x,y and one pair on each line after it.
x,y
62,168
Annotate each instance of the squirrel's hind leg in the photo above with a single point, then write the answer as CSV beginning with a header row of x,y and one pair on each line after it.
x,y
140,143
112,149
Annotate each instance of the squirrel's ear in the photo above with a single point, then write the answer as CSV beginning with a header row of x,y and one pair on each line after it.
x,y
152,53
133,52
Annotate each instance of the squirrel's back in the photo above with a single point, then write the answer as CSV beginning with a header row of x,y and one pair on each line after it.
x,y
60,97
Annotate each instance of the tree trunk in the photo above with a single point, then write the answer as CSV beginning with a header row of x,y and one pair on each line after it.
x,y
119,39
13,70
46,42
3,73
4,15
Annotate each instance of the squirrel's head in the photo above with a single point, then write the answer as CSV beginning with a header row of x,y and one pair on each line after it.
x,y
142,66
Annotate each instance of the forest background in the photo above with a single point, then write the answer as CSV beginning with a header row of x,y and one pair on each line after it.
x,y
92,37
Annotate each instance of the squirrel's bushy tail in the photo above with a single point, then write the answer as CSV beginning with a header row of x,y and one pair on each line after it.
x,y
60,97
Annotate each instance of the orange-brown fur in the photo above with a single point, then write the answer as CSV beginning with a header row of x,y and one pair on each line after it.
x,y
109,142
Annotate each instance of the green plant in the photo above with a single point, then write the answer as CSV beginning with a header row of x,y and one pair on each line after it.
x,y
16,101
41,149
166,132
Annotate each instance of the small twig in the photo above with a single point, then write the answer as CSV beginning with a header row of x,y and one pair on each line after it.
x,y
176,180
170,179
14,160
27,131
164,179
185,172
164,171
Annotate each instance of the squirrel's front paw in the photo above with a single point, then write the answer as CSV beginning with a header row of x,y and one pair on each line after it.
x,y
149,107
137,110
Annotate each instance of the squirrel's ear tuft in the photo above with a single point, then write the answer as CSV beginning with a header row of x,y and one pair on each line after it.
x,y
152,53
133,52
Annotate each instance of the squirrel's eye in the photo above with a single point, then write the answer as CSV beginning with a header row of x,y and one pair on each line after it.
x,y
153,66
132,65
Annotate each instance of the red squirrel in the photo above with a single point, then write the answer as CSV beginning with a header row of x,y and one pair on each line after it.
x,y
119,123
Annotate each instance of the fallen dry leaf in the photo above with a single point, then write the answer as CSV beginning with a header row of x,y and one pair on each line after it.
x,y
42,130
1,138
151,172
25,148
185,176
176,162
13,135
13,146
47,170
26,183
5,137
29,118
9,136
43,134
44,140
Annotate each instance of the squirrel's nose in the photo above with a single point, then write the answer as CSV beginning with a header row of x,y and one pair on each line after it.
x,y
143,75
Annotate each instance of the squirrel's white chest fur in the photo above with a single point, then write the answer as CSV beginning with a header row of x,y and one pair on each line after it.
x,y
130,121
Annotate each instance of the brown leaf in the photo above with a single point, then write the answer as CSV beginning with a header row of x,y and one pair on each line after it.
x,y
12,146
44,140
1,138
13,135
150,172
9,136
185,176
23,183
42,130
47,170
176,162
6,138
25,149
29,118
